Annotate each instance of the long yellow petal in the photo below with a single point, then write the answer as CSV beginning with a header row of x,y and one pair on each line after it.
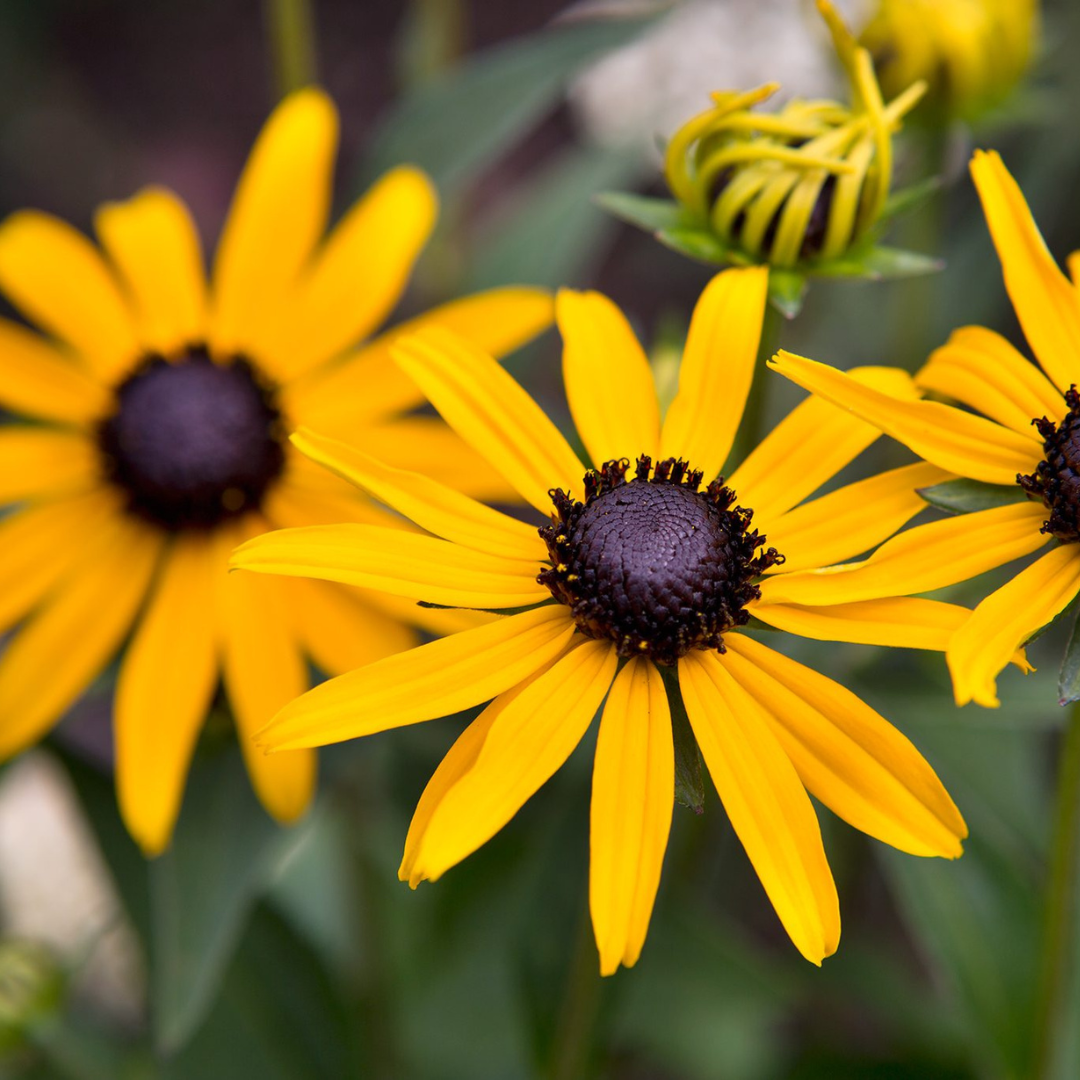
x,y
37,379
852,519
437,679
919,560
955,440
339,632
492,413
1045,301
37,462
609,384
263,672
766,802
979,368
528,741
368,384
165,686
357,278
717,369
849,756
59,280
808,448
633,793
155,248
277,215
59,651
38,549
433,506
984,645
420,567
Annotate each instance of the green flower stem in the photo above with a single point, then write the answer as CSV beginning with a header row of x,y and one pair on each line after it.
x,y
753,419
1059,934
572,1043
291,32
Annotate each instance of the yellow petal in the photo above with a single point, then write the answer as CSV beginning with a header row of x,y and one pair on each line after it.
x,y
852,519
38,549
433,506
488,409
368,384
357,278
527,742
899,622
609,384
299,499
1045,301
808,448
37,379
155,248
437,679
717,369
420,567
1074,270
263,672
56,655
165,686
849,756
57,278
981,369
922,559
983,646
36,461
633,793
955,440
765,800
339,632
277,215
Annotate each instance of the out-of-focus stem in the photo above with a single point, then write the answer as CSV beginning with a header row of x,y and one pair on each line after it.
x,y
1059,946
753,419
291,32
572,1044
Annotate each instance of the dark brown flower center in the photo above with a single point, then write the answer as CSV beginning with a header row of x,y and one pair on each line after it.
x,y
1056,479
192,441
654,564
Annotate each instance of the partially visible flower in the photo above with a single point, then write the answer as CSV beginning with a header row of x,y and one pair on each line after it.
x,y
970,53
165,406
1026,443
638,591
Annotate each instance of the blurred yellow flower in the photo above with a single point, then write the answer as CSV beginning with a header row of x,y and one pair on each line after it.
x,y
1027,440
643,570
800,186
971,53
164,405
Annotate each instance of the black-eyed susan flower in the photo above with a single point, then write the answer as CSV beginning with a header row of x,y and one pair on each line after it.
x,y
647,564
1019,430
163,406
804,189
970,53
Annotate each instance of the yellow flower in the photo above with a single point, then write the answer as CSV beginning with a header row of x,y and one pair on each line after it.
x,y
799,187
1027,440
649,565
163,406
971,53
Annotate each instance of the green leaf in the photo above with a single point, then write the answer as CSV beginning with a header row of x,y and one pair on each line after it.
x,y
202,890
877,263
786,291
652,215
965,496
456,125
1069,675
700,244
910,198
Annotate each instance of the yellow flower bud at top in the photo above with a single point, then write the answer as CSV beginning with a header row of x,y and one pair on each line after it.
x,y
971,53
798,186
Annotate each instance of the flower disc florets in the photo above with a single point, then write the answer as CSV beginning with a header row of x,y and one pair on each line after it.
x,y
192,441
1056,479
654,564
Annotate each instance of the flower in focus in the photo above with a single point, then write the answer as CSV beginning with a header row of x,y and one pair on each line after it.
x,y
970,53
637,591
163,407
1026,443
